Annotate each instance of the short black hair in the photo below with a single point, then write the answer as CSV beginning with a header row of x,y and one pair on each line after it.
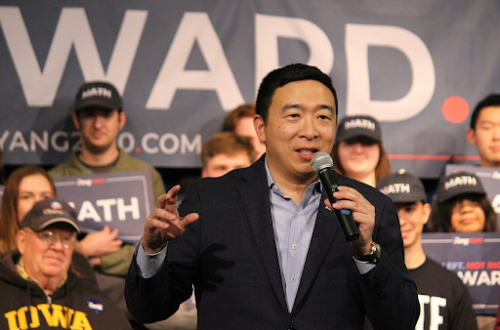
x,y
287,74
492,100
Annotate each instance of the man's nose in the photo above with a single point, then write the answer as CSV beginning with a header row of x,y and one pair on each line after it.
x,y
496,132
98,121
58,243
308,129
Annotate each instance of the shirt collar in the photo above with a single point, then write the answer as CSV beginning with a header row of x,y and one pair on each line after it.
x,y
318,188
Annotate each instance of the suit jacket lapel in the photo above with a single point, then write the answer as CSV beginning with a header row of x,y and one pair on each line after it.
x,y
325,230
255,194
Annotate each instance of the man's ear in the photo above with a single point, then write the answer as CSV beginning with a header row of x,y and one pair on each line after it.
x,y
21,240
427,212
204,173
123,118
76,120
260,128
471,136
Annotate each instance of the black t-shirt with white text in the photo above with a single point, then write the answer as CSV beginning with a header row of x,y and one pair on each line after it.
x,y
445,303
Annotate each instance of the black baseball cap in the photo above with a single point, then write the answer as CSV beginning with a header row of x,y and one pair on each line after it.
x,y
459,183
48,212
402,187
359,126
98,94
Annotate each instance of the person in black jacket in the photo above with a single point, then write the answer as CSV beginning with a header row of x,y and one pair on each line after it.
x,y
39,290
259,245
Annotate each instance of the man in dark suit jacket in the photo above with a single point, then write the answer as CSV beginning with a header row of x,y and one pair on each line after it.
x,y
259,245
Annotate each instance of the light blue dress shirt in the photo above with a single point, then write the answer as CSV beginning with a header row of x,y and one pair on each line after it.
x,y
293,228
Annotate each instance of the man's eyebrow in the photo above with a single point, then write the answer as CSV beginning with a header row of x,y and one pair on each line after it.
x,y
328,107
295,105
290,106
488,121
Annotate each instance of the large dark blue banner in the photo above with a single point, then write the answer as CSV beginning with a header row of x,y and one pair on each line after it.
x,y
475,259
417,67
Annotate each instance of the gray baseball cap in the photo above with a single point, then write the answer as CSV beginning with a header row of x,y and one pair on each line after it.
x,y
359,126
402,187
459,183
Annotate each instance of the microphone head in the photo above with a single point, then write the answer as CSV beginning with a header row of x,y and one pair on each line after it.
x,y
321,161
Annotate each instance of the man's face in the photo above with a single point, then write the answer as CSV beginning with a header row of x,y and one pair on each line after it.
x,y
412,218
245,128
300,123
99,128
223,163
42,261
486,136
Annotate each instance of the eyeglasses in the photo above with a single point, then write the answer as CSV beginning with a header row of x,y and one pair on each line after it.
x,y
49,238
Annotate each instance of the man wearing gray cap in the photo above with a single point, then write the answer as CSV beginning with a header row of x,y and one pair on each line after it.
x,y
39,289
444,300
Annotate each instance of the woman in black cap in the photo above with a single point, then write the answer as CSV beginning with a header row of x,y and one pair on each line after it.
x,y
358,152
461,205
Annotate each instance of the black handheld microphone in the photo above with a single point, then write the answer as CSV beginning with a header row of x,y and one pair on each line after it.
x,y
322,163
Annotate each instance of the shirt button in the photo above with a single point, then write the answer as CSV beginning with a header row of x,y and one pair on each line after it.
x,y
296,214
294,246
293,279
275,188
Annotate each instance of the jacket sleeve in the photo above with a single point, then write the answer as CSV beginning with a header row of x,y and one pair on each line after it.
x,y
158,297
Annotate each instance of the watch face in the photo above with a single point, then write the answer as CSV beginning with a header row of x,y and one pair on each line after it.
x,y
374,255
375,252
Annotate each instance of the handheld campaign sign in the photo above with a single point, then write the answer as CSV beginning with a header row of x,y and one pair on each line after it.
x,y
475,259
119,200
490,178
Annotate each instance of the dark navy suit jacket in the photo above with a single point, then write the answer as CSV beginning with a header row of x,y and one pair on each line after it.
x,y
230,257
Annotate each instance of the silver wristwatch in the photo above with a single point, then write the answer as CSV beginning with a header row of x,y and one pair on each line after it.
x,y
372,257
